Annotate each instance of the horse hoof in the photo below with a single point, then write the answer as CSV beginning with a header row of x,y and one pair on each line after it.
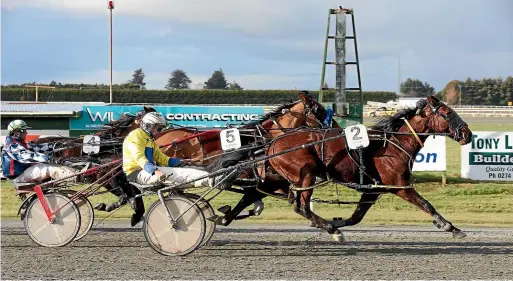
x,y
312,224
339,237
100,207
458,234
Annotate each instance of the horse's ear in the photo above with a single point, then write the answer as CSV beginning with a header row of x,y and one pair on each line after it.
x,y
433,100
420,105
149,109
305,97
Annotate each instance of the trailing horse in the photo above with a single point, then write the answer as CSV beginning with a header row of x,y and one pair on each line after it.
x,y
388,161
206,148
68,151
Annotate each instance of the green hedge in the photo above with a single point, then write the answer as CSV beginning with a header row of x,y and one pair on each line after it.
x,y
180,96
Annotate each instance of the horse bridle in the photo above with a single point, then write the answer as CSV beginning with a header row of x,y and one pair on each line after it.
x,y
452,118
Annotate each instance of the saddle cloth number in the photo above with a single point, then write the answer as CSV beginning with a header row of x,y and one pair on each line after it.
x,y
356,136
91,144
230,139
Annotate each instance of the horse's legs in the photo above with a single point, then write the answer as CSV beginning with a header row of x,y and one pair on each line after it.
x,y
365,203
247,199
412,196
302,207
120,189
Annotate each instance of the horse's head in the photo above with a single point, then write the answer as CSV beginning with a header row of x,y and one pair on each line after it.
x,y
124,124
318,114
306,112
440,118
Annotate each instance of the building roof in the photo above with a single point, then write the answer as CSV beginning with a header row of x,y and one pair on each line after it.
x,y
11,106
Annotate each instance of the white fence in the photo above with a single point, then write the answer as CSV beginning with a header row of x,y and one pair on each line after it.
x,y
466,110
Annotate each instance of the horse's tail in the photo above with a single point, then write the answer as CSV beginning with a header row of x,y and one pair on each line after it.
x,y
227,160
230,159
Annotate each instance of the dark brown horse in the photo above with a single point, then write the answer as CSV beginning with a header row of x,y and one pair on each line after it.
x,y
68,151
205,148
388,161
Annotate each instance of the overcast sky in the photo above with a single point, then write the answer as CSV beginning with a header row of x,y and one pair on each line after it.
x,y
261,44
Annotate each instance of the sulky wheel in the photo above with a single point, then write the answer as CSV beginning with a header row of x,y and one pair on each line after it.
x,y
86,214
59,233
187,233
208,211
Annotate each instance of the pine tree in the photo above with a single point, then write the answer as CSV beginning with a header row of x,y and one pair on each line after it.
x,y
138,79
178,80
216,81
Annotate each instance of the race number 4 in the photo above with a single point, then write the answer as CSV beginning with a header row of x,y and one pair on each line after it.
x,y
356,136
230,139
91,144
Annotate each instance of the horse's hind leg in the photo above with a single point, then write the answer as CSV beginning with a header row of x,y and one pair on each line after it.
x,y
365,203
412,196
252,196
302,207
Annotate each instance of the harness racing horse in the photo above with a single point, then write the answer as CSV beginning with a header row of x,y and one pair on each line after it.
x,y
206,148
203,147
388,161
68,151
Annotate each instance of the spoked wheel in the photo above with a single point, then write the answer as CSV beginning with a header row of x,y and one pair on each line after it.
x,y
182,238
208,211
86,214
59,233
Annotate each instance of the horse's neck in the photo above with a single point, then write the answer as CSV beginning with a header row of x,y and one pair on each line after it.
x,y
284,124
408,141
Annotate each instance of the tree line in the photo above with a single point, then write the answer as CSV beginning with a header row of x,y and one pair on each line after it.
x,y
487,91
178,80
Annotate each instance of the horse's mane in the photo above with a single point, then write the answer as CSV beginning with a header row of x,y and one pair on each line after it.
x,y
394,122
115,127
275,112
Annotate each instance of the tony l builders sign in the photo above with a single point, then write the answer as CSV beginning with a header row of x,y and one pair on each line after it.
x,y
488,157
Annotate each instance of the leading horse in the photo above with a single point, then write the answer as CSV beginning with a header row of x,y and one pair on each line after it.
x,y
388,161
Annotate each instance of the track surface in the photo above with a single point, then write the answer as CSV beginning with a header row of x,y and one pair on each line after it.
x,y
241,251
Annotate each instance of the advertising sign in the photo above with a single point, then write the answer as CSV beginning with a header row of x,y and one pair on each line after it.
x,y
94,117
432,157
488,157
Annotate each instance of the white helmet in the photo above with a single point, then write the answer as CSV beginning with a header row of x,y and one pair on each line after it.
x,y
154,118
151,120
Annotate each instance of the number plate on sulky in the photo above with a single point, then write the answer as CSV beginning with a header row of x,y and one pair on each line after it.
x,y
91,144
356,136
230,139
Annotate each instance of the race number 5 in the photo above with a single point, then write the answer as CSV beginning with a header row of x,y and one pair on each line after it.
x,y
357,136
230,139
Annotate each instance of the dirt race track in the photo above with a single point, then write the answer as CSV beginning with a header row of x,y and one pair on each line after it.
x,y
241,251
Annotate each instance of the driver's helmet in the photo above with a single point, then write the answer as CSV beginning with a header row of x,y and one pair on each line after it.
x,y
17,125
152,120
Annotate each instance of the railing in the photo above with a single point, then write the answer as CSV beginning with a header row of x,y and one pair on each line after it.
x,y
466,110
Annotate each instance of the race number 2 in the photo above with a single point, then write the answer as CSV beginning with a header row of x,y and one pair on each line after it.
x,y
230,139
356,136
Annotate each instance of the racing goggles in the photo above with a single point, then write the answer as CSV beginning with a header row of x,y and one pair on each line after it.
x,y
160,128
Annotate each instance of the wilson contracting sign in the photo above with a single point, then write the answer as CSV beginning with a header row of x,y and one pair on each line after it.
x,y
488,157
94,117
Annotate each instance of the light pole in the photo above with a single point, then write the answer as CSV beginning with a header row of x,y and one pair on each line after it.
x,y
459,86
111,7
